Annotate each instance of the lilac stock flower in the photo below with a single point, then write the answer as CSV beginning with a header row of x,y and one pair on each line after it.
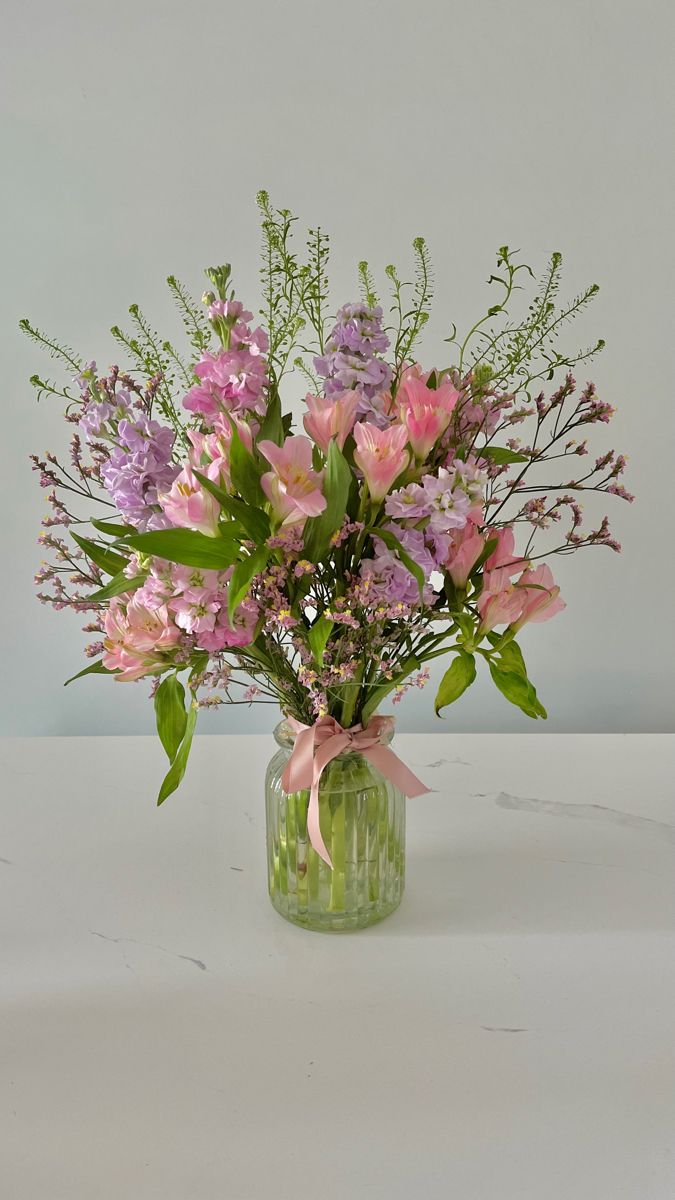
x,y
140,464
351,359
99,413
386,579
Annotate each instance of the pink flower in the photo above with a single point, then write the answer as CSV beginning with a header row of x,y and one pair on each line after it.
x,y
189,505
425,412
330,417
381,454
466,548
292,487
224,635
540,596
214,448
503,563
138,639
498,604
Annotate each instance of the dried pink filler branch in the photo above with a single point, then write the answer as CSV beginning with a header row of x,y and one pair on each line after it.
x,y
321,570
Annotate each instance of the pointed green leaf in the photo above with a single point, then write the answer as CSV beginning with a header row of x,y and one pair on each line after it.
x,y
242,575
458,677
245,472
177,769
501,455
94,668
106,559
170,714
252,520
272,428
118,585
112,528
337,480
518,690
188,547
318,637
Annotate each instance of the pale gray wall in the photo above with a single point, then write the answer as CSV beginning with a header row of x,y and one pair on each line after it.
x,y
134,137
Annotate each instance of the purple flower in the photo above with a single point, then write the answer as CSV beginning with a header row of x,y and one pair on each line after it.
x,y
140,464
351,357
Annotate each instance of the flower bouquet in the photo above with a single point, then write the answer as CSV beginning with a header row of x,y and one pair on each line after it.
x,y
236,556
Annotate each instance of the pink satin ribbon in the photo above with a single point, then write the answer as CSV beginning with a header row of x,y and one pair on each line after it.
x,y
317,745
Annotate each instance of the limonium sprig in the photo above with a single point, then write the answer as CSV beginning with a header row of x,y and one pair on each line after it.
x,y
321,568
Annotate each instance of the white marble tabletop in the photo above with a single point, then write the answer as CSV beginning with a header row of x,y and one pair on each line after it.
x,y
509,1034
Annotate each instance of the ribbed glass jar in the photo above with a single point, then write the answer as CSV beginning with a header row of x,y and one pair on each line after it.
x,y
362,820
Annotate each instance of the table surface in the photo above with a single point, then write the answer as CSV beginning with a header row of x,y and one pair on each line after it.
x,y
508,1033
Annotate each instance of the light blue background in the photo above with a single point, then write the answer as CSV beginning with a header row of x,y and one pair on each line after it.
x,y
134,137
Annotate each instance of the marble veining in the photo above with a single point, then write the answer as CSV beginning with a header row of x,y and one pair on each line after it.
x,y
135,942
597,812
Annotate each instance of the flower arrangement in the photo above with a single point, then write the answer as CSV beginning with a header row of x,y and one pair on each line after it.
x,y
408,515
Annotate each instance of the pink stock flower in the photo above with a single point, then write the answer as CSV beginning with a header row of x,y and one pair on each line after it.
x,y
540,596
425,412
466,548
223,635
138,639
330,416
212,450
189,505
381,454
292,487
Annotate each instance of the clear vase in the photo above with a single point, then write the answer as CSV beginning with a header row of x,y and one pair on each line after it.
x,y
362,821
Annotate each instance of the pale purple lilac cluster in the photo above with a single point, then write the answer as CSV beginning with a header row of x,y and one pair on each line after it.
x,y
139,460
352,360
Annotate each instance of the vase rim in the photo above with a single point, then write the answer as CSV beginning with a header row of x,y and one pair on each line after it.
x,y
285,736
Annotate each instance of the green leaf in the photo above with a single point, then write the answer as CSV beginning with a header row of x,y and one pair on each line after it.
x,y
118,584
170,714
112,528
188,547
242,575
95,668
518,690
177,769
511,658
318,637
253,520
392,543
337,481
245,472
458,677
106,559
501,455
272,428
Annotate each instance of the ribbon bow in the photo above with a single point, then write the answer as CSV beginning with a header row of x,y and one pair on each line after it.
x,y
317,745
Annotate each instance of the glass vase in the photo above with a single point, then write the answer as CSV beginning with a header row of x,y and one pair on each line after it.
x,y
362,821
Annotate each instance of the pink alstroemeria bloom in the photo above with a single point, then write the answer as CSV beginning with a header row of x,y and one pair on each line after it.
x,y
425,412
499,603
137,639
189,505
540,596
381,454
465,550
503,563
330,417
292,487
